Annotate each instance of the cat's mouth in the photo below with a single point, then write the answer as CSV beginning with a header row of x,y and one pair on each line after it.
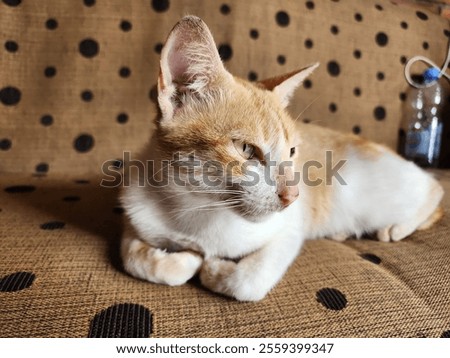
x,y
257,213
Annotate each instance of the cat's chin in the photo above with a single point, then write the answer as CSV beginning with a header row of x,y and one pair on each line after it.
x,y
256,217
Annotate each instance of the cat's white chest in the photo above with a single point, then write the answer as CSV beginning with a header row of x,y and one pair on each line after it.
x,y
221,234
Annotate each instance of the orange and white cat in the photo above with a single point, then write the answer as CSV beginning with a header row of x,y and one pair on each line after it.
x,y
238,233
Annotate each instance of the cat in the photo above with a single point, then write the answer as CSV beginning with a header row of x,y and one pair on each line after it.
x,y
241,235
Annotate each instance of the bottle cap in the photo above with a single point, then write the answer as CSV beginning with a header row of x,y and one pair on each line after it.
x,y
431,74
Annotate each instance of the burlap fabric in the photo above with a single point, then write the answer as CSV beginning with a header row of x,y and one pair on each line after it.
x,y
76,80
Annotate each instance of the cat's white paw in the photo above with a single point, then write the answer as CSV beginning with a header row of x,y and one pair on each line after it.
x,y
177,268
395,232
215,275
231,279
157,265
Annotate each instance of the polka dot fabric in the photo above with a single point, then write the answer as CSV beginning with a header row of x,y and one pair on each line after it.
x,y
75,89
57,261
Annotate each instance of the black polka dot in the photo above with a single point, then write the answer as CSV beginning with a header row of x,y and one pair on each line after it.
x,y
282,18
332,107
87,96
447,32
5,144
81,181
403,60
379,7
10,96
331,298
46,120
225,9
307,84
334,29
379,113
421,15
50,71
158,47
380,76
281,59
17,281
51,24
357,91
153,94
124,72
445,334
310,5
19,189
122,118
358,17
357,54
225,52
125,25
11,46
404,25
83,143
254,34
118,210
42,168
160,5
71,198
118,163
306,121
12,2
333,68
356,129
402,96
372,258
401,133
381,39
88,48
252,76
53,225
89,2
125,320
309,43
425,45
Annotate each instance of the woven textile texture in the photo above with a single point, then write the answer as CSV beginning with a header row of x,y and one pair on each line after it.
x,y
77,88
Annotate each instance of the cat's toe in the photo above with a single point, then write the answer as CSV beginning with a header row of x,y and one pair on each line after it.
x,y
384,235
399,232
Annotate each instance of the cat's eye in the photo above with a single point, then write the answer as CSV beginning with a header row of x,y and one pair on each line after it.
x,y
245,149
292,152
248,151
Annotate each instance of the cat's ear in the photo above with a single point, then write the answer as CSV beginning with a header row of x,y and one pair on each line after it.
x,y
190,66
284,86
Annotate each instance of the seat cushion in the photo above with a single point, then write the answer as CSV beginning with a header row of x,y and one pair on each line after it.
x,y
61,276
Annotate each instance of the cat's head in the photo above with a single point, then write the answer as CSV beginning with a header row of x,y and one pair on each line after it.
x,y
234,137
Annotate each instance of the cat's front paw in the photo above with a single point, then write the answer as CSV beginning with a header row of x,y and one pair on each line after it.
x,y
231,279
215,274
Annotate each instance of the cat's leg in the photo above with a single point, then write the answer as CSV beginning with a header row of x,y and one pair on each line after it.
x,y
425,216
252,277
157,265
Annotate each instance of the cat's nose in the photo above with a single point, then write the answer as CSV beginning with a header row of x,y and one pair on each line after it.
x,y
288,194
287,189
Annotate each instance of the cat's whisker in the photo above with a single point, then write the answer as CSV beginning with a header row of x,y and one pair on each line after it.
x,y
307,107
230,192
